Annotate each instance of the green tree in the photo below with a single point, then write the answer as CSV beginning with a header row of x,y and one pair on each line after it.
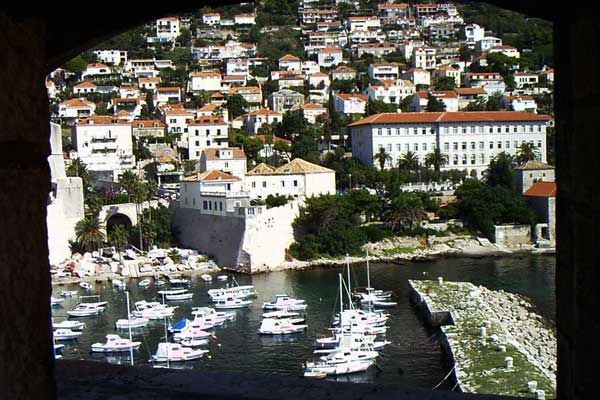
x,y
77,64
444,83
185,37
527,152
436,159
379,106
500,171
119,238
494,102
382,157
409,161
128,180
78,168
435,105
236,105
405,212
88,233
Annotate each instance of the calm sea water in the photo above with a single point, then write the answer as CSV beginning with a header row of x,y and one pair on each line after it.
x,y
414,357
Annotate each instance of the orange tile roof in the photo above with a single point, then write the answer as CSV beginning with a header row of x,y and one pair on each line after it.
x,y
312,106
470,91
169,89
97,65
330,50
446,117
212,175
143,79
289,57
263,138
208,120
234,78
147,123
245,90
264,111
77,103
348,96
541,189
85,84
211,153
103,120
206,74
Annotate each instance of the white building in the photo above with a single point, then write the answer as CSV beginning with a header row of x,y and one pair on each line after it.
x,y
298,179
96,69
424,57
114,57
376,49
469,139
238,66
211,18
254,120
381,71
244,19
205,132
329,57
206,80
343,73
168,94
309,68
487,43
349,103
177,121
363,23
290,63
252,94
212,192
421,98
105,145
84,88
467,96
520,103
311,111
526,79
508,51
474,33
417,76
149,84
446,71
491,82
230,160
390,91
167,29
76,108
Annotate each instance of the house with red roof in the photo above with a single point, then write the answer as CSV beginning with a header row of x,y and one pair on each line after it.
x,y
349,103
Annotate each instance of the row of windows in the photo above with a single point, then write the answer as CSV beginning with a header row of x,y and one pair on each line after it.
x,y
197,131
208,205
455,146
264,184
457,130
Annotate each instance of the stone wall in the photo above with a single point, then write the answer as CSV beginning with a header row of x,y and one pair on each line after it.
x,y
512,235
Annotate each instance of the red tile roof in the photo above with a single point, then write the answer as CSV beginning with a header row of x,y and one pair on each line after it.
x,y
211,153
541,189
208,120
434,117
289,57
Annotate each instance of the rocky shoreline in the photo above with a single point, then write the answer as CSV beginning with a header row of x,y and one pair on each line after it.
x,y
402,250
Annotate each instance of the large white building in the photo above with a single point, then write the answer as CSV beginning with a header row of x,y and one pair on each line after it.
x,y
206,131
105,145
167,29
115,57
469,139
230,160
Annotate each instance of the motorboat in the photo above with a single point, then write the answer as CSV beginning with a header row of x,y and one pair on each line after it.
x,y
206,277
284,302
85,310
134,322
181,296
178,281
144,283
377,302
66,334
238,291
153,310
114,344
56,301
194,342
173,352
231,303
191,334
179,325
85,285
68,293
203,323
222,277
212,314
273,326
72,325
282,314
344,355
171,291
320,369
353,341
159,282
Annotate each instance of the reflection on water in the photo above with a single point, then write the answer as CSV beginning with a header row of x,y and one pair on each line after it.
x,y
414,357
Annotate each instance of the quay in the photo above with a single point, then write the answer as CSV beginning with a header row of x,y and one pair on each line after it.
x,y
494,342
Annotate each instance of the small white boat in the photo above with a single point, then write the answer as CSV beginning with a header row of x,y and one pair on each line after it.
x,y
115,344
272,326
118,283
319,368
66,334
284,302
194,343
211,312
85,285
144,283
222,277
206,277
68,293
176,352
159,282
56,301
178,281
191,334
86,310
133,322
153,310
172,291
72,325
231,302
181,296
281,314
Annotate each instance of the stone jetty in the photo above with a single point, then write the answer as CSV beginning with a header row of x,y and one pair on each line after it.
x,y
496,343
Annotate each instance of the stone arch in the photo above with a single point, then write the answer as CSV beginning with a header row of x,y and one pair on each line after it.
x,y
118,219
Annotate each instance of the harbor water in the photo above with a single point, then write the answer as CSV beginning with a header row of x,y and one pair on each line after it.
x,y
414,357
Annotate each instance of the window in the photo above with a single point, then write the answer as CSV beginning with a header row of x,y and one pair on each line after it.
x,y
282,183
473,159
218,131
424,131
228,186
446,146
379,132
226,164
507,129
406,147
464,129
424,146
208,142
207,132
389,147
508,144
399,147
491,145
455,145
473,145
499,130
516,144
197,143
473,129
295,183
515,129
481,145
389,131
209,205
253,184
539,143
416,147
499,144
464,145
264,184
220,206
464,159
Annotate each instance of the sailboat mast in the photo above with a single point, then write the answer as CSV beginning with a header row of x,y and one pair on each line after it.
x,y
341,304
166,334
349,286
368,274
129,325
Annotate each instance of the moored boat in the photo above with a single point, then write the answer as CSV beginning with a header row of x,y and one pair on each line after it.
x,y
174,352
114,344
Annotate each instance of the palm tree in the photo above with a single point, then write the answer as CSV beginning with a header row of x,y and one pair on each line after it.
x,y
128,179
382,157
79,168
409,161
437,159
139,195
119,237
527,152
88,233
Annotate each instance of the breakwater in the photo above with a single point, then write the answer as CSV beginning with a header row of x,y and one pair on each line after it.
x,y
496,343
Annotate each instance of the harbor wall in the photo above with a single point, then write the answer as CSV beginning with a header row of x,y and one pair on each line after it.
x,y
512,235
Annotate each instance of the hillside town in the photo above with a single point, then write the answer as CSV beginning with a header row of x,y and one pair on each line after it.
x,y
263,134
